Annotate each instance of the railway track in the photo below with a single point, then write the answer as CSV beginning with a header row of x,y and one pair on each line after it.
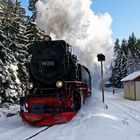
x,y
132,113
130,108
37,133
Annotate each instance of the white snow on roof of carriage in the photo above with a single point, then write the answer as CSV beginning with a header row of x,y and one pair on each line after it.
x,y
132,76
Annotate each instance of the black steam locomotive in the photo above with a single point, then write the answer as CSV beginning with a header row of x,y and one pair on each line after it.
x,y
58,84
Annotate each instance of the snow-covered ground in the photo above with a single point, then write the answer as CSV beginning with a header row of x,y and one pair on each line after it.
x,y
117,119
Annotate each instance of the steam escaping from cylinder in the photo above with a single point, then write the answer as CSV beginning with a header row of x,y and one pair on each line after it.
x,y
75,22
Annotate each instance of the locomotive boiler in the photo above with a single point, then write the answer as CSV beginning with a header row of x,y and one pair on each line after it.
x,y
58,84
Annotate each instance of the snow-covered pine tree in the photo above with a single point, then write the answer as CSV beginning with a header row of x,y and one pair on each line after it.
x,y
19,46
32,8
138,53
127,59
33,31
133,54
13,50
119,69
9,81
116,71
16,37
137,58
124,58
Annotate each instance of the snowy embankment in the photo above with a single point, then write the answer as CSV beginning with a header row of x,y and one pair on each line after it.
x,y
120,121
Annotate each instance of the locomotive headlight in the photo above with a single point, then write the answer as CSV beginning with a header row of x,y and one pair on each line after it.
x,y
47,38
59,84
30,86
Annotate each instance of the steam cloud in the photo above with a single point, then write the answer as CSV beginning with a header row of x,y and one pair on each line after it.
x,y
75,22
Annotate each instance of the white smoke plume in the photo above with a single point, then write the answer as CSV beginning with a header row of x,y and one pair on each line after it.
x,y
75,22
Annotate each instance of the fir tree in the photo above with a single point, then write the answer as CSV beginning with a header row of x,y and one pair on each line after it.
x,y
17,34
138,50
116,74
32,8
20,42
13,50
133,56
126,60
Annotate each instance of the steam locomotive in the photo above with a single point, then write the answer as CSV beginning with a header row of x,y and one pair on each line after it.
x,y
58,84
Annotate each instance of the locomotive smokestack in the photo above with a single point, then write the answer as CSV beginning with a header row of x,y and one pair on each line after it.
x,y
75,22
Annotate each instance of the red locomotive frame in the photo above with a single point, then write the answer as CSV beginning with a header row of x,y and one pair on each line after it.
x,y
68,102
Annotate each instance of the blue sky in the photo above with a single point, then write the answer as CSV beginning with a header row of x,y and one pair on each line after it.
x,y
125,15
25,5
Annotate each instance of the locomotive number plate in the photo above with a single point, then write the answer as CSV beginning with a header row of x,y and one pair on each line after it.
x,y
48,63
